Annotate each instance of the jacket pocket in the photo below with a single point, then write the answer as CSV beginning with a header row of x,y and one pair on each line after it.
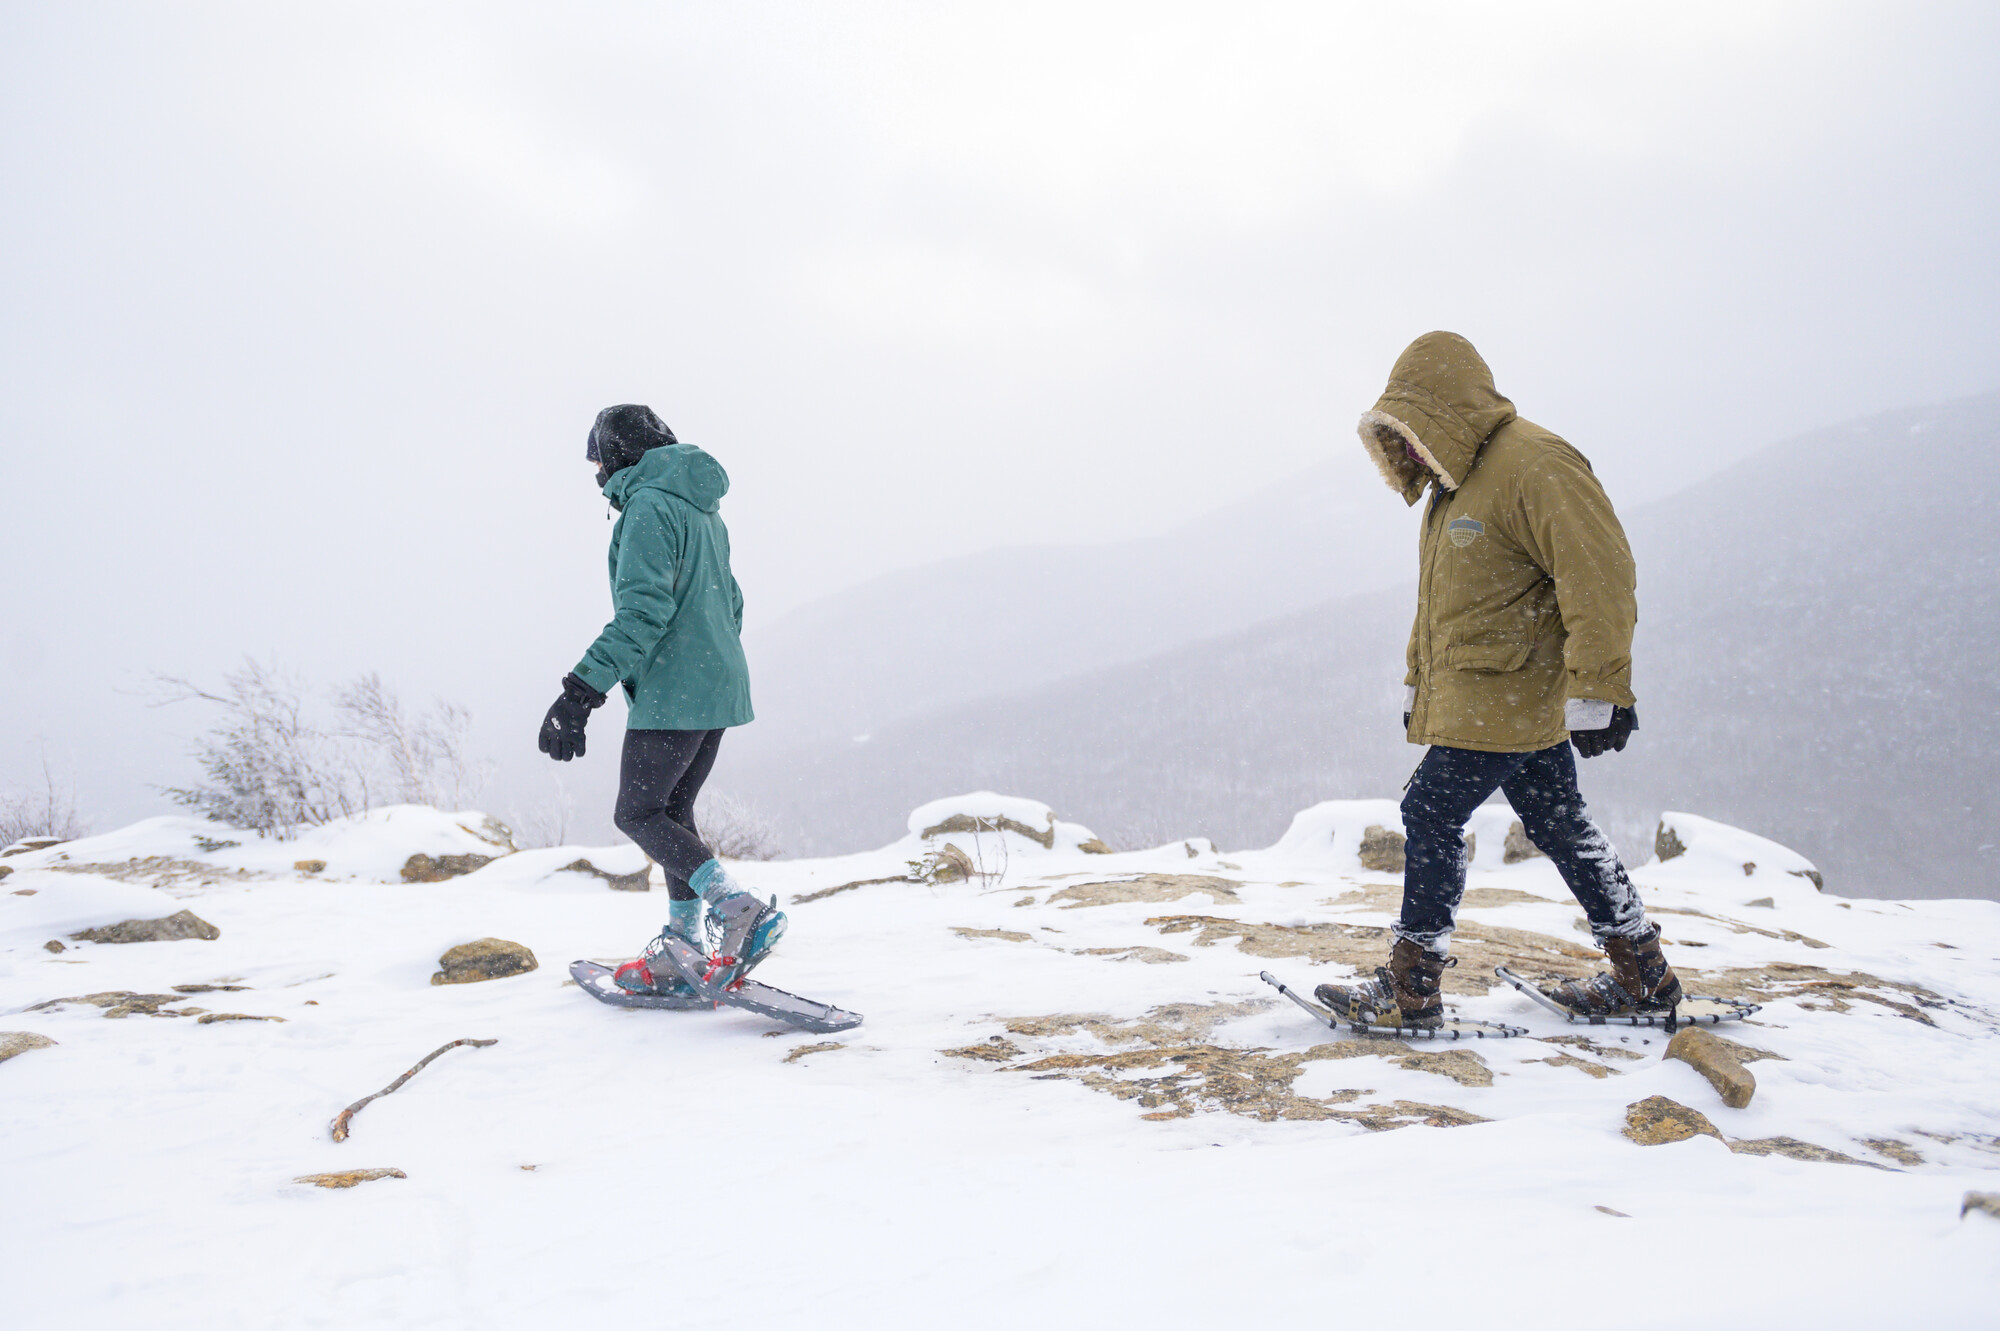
x,y
1493,654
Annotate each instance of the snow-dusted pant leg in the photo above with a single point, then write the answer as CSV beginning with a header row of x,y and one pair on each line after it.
x,y
1449,784
659,776
1544,793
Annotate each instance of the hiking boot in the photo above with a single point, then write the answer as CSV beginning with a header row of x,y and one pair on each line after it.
x,y
655,974
750,928
1640,981
1407,993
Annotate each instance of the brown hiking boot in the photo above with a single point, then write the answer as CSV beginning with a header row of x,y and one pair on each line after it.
x,y
1640,981
1408,992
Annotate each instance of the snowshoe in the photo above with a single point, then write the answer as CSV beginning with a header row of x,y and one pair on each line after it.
x,y
1689,1010
1446,1028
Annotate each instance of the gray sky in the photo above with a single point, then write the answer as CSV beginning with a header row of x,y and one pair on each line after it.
x,y
306,309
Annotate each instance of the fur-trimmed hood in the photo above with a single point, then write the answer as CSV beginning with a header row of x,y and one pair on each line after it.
x,y
1441,402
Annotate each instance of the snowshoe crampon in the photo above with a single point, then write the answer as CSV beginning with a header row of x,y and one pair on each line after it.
x,y
1450,1029
1692,1010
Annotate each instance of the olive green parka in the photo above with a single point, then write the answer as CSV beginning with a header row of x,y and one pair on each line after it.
x,y
677,613
1526,592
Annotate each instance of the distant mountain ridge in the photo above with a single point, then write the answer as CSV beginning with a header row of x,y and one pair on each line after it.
x,y
1814,661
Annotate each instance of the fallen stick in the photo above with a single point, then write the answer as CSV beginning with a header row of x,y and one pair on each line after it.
x,y
341,1120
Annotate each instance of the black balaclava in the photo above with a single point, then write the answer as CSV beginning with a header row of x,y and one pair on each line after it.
x,y
621,437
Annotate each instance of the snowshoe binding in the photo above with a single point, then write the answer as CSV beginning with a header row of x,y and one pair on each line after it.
x,y
652,973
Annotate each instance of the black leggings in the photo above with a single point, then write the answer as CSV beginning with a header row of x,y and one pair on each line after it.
x,y
658,779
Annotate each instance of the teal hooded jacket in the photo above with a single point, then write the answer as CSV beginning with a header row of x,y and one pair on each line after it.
x,y
677,613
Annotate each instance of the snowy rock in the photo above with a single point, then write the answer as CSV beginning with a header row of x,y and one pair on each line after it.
x,y
1986,1203
1381,850
1341,834
20,1042
182,924
1656,1120
1023,825
947,864
1517,846
421,868
28,845
483,959
636,881
1715,1060
1691,847
54,945
6,869
309,866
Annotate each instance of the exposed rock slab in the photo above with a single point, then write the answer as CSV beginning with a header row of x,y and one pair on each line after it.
x,y
1986,1203
1794,1149
484,959
1151,887
1479,947
1151,956
182,924
348,1178
996,1049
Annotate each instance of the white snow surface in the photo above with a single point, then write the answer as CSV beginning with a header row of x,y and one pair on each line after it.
x,y
598,1166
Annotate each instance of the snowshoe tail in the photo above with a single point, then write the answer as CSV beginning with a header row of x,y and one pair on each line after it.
x,y
1692,1010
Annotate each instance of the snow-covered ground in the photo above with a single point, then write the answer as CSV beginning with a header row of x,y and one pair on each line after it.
x,y
1072,1102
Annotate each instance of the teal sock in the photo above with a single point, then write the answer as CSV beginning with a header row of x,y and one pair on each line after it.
x,y
713,882
684,918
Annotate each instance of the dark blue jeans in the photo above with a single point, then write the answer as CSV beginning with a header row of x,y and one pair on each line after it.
x,y
1450,783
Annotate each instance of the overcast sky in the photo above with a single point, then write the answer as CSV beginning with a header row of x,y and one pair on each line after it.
x,y
307,308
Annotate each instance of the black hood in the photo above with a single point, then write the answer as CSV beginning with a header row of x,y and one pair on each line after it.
x,y
622,435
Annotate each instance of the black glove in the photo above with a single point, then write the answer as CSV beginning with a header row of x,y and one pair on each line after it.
x,y
562,728
1590,743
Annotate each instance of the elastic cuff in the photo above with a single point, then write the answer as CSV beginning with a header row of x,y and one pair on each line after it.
x,y
1436,941
1586,714
589,692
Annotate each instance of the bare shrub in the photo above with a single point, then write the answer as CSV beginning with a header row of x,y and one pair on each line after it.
x,y
48,812
735,830
273,768
421,761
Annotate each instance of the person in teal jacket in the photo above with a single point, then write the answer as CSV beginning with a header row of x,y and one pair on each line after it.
x,y
674,645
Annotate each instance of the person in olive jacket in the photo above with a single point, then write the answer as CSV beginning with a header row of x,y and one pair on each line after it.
x,y
1521,649
673,643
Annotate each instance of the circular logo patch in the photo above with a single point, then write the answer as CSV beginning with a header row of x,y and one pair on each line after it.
x,y
1464,531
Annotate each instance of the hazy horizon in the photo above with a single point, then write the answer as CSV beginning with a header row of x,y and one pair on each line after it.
x,y
307,311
